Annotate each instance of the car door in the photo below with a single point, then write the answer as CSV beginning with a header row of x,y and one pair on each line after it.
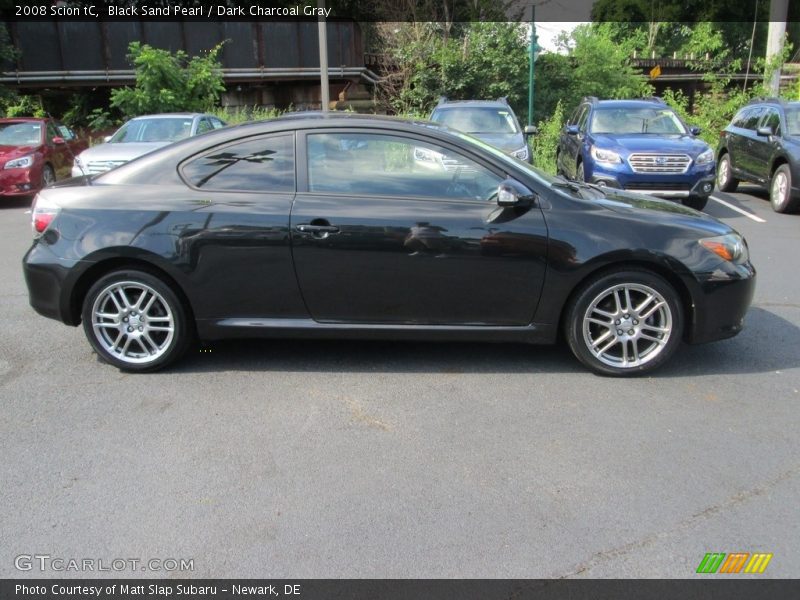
x,y
59,154
573,142
747,143
392,227
765,146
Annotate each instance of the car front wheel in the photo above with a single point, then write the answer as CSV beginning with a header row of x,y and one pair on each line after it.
x,y
135,321
624,322
780,191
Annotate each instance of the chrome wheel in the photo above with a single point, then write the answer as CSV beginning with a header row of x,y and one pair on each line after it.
x,y
780,188
724,172
627,325
132,322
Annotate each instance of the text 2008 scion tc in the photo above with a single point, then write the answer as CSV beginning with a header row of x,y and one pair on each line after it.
x,y
345,226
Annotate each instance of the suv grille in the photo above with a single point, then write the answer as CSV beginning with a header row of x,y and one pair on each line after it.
x,y
659,163
647,185
102,166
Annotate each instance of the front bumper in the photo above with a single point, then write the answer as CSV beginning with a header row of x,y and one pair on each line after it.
x,y
698,181
721,303
19,182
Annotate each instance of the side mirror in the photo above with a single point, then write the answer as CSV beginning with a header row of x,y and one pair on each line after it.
x,y
694,130
106,139
512,193
572,130
765,131
531,130
58,141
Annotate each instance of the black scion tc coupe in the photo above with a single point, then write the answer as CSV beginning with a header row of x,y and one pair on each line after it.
x,y
347,226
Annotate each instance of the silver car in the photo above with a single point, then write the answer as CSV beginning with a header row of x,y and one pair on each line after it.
x,y
140,136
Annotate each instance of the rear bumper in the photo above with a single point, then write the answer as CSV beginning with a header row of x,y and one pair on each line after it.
x,y
722,302
50,282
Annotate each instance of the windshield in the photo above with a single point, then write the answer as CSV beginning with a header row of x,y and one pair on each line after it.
x,y
20,134
621,121
793,119
477,119
170,129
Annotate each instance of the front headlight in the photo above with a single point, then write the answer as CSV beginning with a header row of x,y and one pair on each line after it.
x,y
705,157
522,153
23,162
731,247
605,156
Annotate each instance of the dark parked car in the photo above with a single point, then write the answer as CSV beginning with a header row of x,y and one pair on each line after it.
x,y
34,153
492,121
328,226
762,145
637,145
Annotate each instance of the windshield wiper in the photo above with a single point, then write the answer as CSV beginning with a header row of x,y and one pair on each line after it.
x,y
577,186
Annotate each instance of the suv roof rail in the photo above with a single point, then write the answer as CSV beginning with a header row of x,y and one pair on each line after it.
x,y
767,100
656,99
503,99
590,99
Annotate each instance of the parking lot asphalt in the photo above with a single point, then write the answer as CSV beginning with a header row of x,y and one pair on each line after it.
x,y
365,459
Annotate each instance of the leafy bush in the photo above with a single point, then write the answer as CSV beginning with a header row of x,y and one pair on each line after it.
x,y
234,116
24,106
545,141
167,82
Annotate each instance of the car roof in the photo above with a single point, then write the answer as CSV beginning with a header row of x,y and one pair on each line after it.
x,y
170,115
450,104
24,119
629,104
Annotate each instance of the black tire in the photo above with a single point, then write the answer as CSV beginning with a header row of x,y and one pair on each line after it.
x,y
664,326
580,174
48,176
696,202
726,182
780,191
128,330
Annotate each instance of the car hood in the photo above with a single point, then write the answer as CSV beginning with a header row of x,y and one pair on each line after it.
x,y
10,152
684,144
127,151
654,208
507,142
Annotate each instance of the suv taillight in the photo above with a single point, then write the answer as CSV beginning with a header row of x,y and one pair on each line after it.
x,y
42,215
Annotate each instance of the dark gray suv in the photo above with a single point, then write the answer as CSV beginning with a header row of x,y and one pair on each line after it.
x,y
762,145
491,121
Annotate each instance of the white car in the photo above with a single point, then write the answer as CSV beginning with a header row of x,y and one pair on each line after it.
x,y
140,136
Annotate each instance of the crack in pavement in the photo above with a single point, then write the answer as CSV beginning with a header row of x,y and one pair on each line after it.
x,y
706,513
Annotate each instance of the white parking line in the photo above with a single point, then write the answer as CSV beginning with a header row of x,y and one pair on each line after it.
x,y
749,215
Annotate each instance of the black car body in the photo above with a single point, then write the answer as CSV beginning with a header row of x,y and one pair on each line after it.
x,y
327,226
762,145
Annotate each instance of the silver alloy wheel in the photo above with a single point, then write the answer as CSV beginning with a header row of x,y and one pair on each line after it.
x,y
724,172
627,325
780,188
133,322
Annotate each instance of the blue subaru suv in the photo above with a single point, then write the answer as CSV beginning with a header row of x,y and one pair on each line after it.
x,y
637,145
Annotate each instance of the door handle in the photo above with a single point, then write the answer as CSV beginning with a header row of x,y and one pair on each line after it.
x,y
320,230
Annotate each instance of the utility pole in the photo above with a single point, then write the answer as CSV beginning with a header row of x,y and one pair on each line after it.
x,y
532,51
778,9
325,94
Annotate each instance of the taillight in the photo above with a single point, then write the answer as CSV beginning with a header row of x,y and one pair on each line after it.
x,y
42,215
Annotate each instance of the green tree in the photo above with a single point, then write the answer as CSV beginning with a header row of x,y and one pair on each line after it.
x,y
167,82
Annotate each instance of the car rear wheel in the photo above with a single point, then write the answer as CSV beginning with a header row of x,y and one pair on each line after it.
x,y
780,191
624,322
726,182
135,321
48,176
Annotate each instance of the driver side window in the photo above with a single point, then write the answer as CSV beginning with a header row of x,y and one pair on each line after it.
x,y
367,164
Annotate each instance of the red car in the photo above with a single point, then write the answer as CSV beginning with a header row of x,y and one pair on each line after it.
x,y
34,153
